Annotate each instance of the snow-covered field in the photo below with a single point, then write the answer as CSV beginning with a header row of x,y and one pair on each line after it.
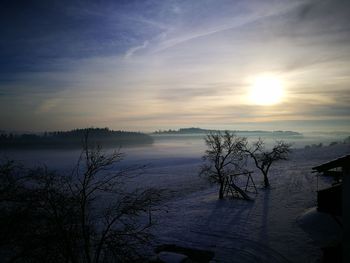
x,y
264,230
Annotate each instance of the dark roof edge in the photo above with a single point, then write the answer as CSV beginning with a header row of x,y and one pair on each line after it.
x,y
340,162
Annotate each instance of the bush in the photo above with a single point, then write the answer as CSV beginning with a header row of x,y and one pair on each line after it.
x,y
82,217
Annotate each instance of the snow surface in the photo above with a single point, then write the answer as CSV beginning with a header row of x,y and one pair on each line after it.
x,y
323,228
265,230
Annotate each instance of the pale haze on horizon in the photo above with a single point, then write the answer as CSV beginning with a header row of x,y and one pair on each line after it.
x,y
148,65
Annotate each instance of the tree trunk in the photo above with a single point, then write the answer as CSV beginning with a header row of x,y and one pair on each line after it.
x,y
266,180
221,191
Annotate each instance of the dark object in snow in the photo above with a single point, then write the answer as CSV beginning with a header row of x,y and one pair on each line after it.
x,y
332,254
329,200
194,254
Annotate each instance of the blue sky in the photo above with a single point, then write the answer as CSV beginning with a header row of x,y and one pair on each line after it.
x,y
147,65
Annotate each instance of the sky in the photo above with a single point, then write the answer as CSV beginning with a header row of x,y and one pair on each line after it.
x,y
167,64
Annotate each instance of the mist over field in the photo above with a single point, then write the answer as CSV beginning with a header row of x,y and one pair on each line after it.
x,y
165,149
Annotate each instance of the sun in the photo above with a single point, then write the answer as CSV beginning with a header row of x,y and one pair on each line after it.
x,y
266,90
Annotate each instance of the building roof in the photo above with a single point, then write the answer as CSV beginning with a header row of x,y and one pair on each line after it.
x,y
340,162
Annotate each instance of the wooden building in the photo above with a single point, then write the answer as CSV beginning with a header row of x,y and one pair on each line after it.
x,y
335,200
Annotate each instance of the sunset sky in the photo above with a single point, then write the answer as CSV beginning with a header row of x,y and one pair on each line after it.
x,y
148,65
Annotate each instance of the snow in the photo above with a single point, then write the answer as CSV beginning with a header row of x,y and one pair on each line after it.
x,y
268,229
265,230
321,226
171,257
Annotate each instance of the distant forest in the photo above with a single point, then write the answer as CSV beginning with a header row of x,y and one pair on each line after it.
x,y
205,131
74,139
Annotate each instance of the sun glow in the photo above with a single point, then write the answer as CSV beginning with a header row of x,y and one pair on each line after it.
x,y
266,90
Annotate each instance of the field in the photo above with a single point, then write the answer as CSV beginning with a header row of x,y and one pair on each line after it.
x,y
269,229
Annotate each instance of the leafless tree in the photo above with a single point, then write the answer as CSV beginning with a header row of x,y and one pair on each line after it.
x,y
222,158
263,158
85,216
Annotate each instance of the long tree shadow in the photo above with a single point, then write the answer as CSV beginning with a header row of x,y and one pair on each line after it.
x,y
263,235
240,228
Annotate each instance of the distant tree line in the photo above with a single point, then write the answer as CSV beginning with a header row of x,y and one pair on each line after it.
x,y
206,131
182,131
72,139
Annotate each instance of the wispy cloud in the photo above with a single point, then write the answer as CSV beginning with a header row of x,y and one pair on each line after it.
x,y
132,50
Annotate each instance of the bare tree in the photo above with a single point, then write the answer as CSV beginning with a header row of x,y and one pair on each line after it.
x,y
222,158
263,158
86,216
